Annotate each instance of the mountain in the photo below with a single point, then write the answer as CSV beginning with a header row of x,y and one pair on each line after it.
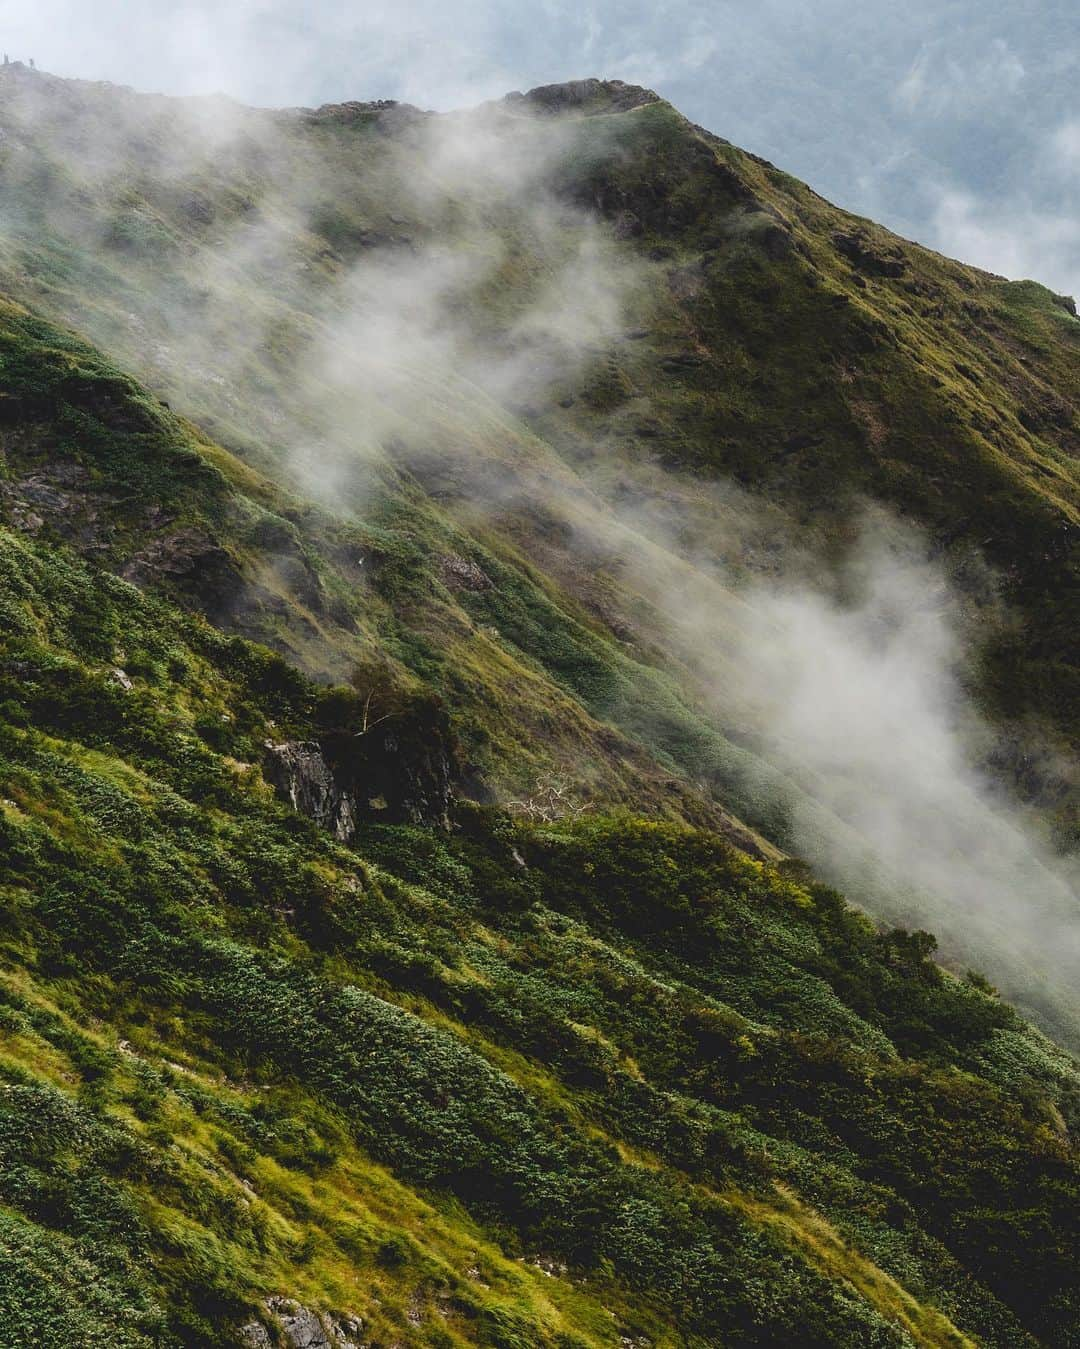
x,y
472,586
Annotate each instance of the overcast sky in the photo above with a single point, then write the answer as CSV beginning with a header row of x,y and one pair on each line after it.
x,y
956,122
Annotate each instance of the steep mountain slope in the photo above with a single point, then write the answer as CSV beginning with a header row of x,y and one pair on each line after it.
x,y
338,979
597,378
809,354
703,1099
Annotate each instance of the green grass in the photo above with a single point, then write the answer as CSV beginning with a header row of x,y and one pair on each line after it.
x,y
385,1080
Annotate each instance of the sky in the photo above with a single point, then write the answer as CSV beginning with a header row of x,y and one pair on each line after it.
x,y
955,122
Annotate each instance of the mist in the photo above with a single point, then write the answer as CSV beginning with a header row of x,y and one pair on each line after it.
x,y
951,124
863,702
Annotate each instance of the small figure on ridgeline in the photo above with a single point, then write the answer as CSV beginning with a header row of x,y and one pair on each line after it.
x,y
32,65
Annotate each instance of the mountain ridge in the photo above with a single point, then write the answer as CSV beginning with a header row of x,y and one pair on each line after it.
x,y
401,939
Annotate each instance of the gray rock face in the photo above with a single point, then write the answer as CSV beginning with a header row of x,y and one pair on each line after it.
x,y
255,1336
863,253
400,770
302,1328
300,772
56,495
185,554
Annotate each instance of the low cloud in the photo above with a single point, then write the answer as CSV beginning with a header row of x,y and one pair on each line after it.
x,y
851,683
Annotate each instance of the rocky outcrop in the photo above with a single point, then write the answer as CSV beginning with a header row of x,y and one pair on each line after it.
x,y
409,762
588,96
301,774
400,771
388,115
186,554
461,573
255,1335
57,497
861,252
298,1327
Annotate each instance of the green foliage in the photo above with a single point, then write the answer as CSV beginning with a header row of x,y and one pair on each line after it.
x,y
592,1040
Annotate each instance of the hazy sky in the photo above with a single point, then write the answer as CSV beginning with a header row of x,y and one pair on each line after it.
x,y
956,122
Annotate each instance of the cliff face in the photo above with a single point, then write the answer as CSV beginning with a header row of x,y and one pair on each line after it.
x,y
399,773
300,772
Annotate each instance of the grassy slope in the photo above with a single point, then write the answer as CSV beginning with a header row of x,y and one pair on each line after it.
x,y
348,599
813,357
259,1062
771,348
810,354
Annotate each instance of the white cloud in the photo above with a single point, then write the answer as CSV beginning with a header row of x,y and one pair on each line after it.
x,y
961,80
1019,241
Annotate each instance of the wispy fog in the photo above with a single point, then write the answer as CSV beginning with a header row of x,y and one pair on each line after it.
x,y
903,113
861,700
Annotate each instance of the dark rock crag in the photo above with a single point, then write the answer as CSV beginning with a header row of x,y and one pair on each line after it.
x,y
584,96
401,771
301,774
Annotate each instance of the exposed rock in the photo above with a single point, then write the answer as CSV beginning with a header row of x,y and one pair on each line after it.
x,y
305,1329
401,770
56,496
459,573
301,774
302,1328
388,115
185,554
862,253
255,1336
25,520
